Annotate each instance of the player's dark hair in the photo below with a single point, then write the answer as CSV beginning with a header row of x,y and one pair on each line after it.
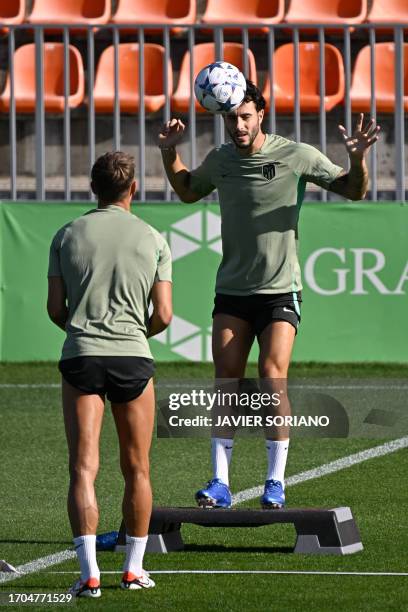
x,y
253,94
112,175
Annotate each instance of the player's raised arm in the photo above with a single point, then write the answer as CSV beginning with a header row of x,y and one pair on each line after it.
x,y
177,173
353,184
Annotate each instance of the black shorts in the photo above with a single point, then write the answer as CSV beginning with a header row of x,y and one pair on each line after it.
x,y
260,309
121,379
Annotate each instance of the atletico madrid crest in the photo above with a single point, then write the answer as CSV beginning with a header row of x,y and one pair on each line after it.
x,y
268,170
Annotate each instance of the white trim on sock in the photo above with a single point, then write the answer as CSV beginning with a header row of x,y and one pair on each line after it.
x,y
277,453
221,451
85,548
135,550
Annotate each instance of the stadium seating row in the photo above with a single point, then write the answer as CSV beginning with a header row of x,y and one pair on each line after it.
x,y
154,66
251,12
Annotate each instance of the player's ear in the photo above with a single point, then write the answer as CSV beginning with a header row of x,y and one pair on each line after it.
x,y
261,114
93,188
133,188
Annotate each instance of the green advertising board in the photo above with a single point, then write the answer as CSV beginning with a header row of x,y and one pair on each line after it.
x,y
354,258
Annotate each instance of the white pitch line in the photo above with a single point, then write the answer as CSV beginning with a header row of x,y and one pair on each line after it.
x,y
351,387
327,468
354,387
37,564
306,572
33,386
159,385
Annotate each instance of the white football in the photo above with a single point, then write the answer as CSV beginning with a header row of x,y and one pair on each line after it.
x,y
220,87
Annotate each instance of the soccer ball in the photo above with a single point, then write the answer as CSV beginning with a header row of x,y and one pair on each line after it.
x,y
220,87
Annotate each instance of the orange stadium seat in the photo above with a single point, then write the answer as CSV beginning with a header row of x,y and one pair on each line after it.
x,y
393,11
205,54
24,89
155,11
70,11
250,12
284,85
339,12
360,92
104,90
12,12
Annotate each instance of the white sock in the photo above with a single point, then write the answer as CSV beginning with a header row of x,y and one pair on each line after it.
x,y
135,549
277,452
85,547
221,451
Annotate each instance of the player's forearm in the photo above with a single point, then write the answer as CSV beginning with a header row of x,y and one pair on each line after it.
x,y
352,185
357,180
177,173
59,319
159,320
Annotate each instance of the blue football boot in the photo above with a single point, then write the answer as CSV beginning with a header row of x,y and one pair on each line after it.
x,y
274,495
215,495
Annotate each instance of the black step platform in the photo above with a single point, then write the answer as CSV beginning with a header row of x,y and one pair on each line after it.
x,y
319,531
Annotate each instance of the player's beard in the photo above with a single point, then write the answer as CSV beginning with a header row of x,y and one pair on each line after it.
x,y
247,143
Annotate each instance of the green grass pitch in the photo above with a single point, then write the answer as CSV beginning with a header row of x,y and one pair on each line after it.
x,y
34,522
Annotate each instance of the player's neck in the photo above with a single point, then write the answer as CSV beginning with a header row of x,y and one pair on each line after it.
x,y
255,146
125,204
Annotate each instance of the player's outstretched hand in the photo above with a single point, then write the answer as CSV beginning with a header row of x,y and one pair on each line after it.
x,y
171,133
362,138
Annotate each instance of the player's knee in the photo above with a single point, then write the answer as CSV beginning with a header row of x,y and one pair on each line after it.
x,y
227,373
228,369
272,369
135,469
85,470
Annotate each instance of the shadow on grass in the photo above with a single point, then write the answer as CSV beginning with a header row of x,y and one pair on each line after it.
x,y
233,549
67,582
65,542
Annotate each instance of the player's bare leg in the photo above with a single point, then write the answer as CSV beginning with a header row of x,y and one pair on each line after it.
x,y
275,350
232,339
276,344
83,421
134,423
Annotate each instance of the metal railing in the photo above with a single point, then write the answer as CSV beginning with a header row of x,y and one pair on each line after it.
x,y
192,35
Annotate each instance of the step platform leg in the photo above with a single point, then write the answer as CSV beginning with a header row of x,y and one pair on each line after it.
x,y
165,542
337,536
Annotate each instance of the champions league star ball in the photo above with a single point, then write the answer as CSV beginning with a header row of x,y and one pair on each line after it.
x,y
220,87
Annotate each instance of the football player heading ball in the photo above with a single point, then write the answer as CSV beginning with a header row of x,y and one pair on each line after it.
x,y
261,179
